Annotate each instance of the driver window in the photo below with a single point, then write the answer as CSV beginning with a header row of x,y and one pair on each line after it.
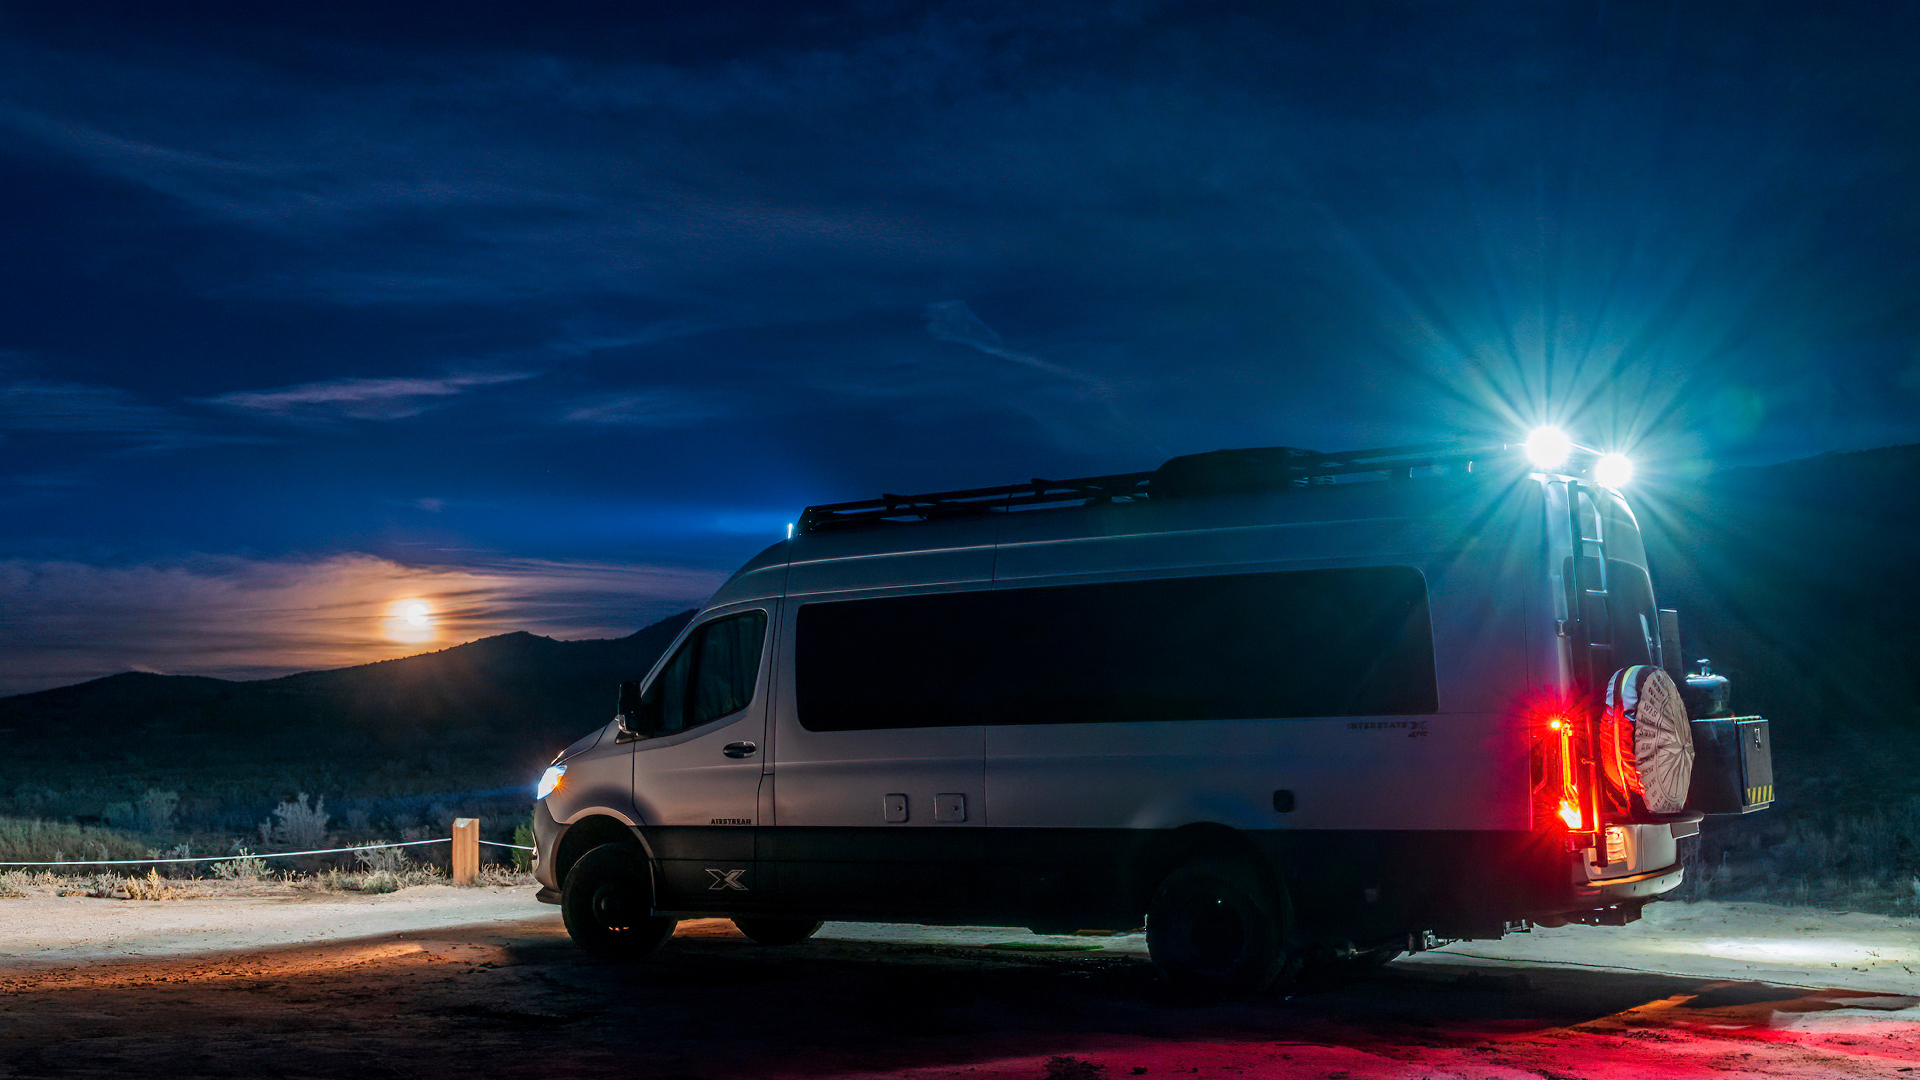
x,y
711,675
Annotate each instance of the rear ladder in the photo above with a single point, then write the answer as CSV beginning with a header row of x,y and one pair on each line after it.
x,y
1590,634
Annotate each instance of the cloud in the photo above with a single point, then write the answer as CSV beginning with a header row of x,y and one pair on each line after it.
x,y
647,408
954,320
30,406
361,399
67,621
76,407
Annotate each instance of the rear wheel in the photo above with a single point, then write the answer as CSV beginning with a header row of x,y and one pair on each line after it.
x,y
607,901
776,931
1215,927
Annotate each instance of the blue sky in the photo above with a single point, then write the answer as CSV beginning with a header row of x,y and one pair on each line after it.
x,y
554,316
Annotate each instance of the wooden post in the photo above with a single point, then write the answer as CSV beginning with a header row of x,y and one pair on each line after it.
x,y
466,851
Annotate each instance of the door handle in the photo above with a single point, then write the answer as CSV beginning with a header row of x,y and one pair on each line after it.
x,y
739,749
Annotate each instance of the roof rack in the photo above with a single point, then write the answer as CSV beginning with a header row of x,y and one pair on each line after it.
x,y
1218,472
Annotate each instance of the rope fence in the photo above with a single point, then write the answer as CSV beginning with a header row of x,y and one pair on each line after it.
x,y
465,840
242,855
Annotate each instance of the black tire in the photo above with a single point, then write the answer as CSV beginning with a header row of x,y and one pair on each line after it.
x,y
1215,928
606,903
777,931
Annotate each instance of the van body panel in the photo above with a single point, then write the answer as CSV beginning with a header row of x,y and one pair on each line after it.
x,y
598,782
1422,773
952,554
858,813
764,577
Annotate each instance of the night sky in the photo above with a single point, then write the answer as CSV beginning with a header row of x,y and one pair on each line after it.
x,y
547,316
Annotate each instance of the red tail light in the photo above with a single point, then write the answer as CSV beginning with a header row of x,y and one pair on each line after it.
x,y
1560,736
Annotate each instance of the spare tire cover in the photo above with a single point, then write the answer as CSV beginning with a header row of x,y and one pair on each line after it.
x,y
1647,741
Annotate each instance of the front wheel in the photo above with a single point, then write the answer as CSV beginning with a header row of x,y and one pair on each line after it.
x,y
1214,927
606,903
775,931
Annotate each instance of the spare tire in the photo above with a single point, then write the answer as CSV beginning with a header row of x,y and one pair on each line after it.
x,y
1646,741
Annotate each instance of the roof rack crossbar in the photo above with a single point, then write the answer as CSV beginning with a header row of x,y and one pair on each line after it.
x,y
1298,466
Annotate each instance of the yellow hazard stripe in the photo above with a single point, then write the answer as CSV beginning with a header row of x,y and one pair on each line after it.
x,y
1761,794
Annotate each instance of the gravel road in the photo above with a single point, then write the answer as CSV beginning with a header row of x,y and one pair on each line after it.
x,y
436,981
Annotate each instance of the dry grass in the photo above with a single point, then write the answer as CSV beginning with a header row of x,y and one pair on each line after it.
x,y
151,886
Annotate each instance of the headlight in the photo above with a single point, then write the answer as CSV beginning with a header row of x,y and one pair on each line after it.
x,y
549,781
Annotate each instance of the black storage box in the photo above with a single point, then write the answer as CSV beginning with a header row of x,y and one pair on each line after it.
x,y
1732,765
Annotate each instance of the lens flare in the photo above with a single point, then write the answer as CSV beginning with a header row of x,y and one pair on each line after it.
x,y
1548,447
1613,470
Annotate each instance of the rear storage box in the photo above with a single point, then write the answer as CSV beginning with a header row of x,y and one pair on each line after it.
x,y
1732,765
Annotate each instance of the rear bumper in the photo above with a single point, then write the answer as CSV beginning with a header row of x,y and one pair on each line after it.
x,y
1612,891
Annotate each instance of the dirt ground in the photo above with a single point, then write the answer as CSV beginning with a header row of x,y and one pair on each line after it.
x,y
437,981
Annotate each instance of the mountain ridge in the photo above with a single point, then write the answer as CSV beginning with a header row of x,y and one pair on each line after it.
x,y
507,697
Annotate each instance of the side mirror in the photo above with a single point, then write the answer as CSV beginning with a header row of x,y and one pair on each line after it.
x,y
628,711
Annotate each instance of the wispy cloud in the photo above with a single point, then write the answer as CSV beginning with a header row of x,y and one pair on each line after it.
x,y
647,408
30,406
954,320
362,399
63,622
52,406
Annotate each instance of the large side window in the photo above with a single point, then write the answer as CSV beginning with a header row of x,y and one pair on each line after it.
x,y
1347,642
712,674
901,661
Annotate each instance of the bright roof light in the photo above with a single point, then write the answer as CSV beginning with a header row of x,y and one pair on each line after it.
x,y
1548,447
1613,470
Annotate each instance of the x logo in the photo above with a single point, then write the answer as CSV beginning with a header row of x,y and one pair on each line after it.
x,y
726,879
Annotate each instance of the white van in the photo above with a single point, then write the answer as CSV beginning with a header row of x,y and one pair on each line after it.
x,y
1284,708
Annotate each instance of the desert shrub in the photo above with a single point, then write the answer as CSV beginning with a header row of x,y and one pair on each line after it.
x,y
523,835
34,840
244,866
297,826
151,887
382,859
154,812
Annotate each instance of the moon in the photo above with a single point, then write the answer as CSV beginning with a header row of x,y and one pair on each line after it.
x,y
418,614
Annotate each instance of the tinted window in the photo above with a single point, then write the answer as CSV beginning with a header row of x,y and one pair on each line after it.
x,y
711,675
1622,625
1245,646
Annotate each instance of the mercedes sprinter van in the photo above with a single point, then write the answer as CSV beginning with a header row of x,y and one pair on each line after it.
x,y
1283,708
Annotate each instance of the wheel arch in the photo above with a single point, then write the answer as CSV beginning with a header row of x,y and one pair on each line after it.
x,y
1200,839
590,832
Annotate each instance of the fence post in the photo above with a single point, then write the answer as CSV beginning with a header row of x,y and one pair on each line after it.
x,y
466,851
